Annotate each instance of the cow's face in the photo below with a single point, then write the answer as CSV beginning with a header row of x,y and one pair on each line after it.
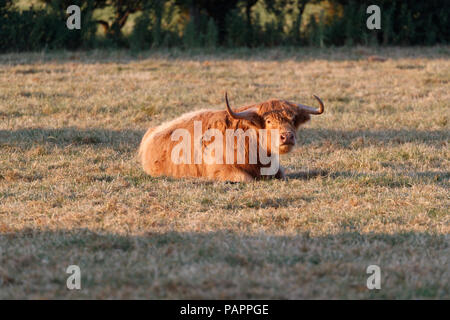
x,y
284,116
284,124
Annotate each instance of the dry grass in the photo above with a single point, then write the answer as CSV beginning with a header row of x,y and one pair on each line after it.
x,y
368,185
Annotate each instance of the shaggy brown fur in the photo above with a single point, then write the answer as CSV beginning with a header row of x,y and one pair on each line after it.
x,y
156,146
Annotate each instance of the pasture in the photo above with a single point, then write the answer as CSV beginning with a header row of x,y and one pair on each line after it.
x,y
368,183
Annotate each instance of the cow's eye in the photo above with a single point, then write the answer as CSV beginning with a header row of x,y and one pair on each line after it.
x,y
268,121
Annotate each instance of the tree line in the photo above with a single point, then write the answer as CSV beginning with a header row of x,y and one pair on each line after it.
x,y
220,23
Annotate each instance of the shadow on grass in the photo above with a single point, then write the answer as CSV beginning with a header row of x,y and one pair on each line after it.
x,y
122,140
308,175
393,136
397,180
224,264
109,138
124,57
93,241
311,174
128,141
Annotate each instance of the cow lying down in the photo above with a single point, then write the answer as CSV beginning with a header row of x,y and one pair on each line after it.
x,y
227,145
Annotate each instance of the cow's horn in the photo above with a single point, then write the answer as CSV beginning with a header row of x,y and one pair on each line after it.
x,y
312,110
245,115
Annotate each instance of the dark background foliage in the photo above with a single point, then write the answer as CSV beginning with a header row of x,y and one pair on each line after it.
x,y
224,23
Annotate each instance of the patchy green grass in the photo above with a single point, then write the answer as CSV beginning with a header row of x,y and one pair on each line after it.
x,y
369,183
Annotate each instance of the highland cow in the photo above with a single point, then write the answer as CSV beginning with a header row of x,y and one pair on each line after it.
x,y
220,145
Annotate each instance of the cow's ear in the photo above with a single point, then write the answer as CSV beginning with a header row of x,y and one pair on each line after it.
x,y
250,116
256,120
300,118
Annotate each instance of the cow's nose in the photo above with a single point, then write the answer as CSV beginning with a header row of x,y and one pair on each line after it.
x,y
287,138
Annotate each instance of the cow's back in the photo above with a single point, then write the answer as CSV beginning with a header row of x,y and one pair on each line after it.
x,y
157,145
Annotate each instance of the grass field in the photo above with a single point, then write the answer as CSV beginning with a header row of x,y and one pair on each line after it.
x,y
368,184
